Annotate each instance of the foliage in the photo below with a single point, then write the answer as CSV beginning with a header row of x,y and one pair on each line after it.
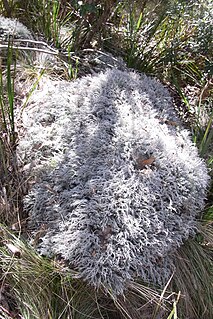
x,y
10,182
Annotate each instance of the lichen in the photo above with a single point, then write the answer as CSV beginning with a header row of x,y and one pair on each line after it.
x,y
119,182
14,28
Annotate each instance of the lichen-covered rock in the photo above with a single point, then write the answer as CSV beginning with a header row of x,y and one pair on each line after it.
x,y
119,182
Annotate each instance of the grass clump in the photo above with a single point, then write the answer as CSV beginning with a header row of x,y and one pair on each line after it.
x,y
10,183
43,288
194,277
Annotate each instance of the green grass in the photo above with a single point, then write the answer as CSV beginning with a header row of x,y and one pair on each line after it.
x,y
8,141
167,39
7,100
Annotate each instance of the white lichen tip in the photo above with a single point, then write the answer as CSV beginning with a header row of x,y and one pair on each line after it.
x,y
120,184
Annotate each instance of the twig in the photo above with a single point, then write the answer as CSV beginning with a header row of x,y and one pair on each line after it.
x,y
4,46
35,42
55,52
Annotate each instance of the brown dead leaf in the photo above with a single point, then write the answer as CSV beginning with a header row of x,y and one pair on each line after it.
x,y
93,253
173,123
107,231
142,162
104,236
168,122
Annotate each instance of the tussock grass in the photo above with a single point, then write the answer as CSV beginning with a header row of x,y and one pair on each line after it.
x,y
194,278
10,183
45,288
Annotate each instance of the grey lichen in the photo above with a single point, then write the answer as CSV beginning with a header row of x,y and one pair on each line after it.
x,y
119,182
14,28
15,34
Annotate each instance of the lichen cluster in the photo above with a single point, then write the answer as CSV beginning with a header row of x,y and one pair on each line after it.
x,y
119,183
14,29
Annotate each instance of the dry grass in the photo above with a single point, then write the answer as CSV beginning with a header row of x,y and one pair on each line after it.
x,y
194,279
42,288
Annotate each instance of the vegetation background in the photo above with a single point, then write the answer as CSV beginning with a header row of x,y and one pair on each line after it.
x,y
170,40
